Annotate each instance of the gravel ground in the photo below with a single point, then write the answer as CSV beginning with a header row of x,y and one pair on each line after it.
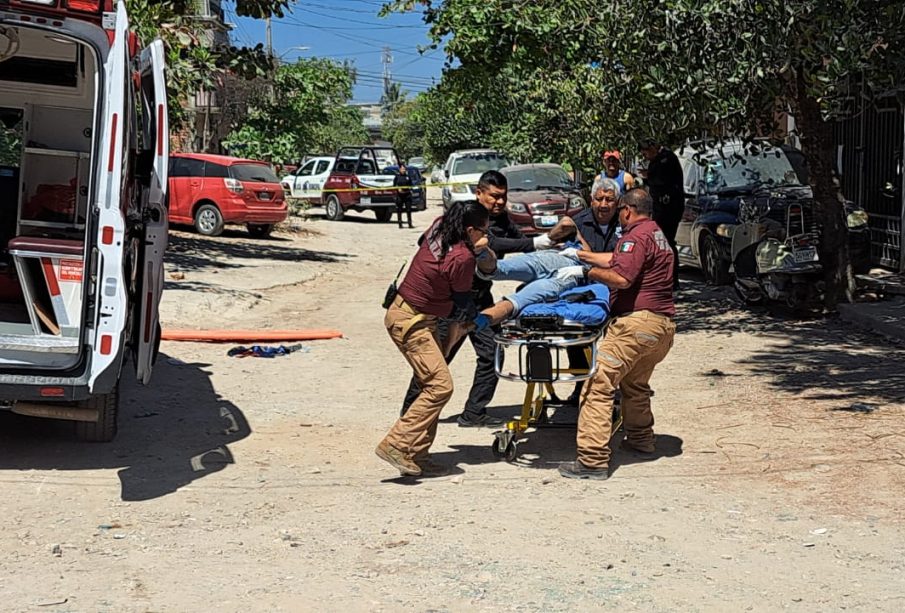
x,y
252,485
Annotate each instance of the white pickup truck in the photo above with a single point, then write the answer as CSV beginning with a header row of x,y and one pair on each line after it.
x,y
307,182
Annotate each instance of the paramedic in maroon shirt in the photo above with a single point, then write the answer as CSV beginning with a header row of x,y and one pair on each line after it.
x,y
639,335
437,285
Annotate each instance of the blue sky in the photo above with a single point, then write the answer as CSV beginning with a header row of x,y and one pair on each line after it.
x,y
350,30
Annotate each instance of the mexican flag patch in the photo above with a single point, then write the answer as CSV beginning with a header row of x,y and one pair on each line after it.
x,y
627,247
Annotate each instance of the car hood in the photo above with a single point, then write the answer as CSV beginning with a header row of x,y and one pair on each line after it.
x,y
541,196
471,178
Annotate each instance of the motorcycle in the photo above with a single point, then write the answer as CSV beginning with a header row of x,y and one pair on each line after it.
x,y
774,248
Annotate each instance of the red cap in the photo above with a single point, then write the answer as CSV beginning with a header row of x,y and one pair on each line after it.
x,y
612,154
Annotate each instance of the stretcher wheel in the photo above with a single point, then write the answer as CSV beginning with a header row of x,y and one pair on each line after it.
x,y
511,451
498,447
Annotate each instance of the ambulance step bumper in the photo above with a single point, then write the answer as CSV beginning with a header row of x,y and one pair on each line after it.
x,y
39,343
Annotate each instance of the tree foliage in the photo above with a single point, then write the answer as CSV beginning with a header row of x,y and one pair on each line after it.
x,y
193,63
579,74
303,111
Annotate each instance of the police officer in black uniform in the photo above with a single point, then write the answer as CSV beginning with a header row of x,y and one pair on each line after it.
x,y
665,184
504,237
403,184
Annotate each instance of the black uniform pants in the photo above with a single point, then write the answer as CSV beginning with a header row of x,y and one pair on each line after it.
x,y
577,360
483,386
669,223
404,203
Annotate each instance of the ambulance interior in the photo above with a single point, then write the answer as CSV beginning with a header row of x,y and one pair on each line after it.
x,y
47,136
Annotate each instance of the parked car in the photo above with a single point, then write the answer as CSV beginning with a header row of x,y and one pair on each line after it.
x,y
540,195
419,198
463,169
716,179
210,191
418,162
436,175
357,182
308,181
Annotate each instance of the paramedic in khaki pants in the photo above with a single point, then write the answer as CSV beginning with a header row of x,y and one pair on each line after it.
x,y
438,282
639,336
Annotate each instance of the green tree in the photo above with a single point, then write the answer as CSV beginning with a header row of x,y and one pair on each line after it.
x,y
303,111
678,69
403,128
193,65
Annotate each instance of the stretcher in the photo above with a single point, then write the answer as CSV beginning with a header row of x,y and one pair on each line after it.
x,y
540,338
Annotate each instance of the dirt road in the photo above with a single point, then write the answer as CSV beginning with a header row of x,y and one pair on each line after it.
x,y
251,484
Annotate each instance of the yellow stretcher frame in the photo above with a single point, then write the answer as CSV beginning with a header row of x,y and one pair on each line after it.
x,y
534,405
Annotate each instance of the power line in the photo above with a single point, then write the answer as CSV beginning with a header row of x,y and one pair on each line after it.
x,y
362,40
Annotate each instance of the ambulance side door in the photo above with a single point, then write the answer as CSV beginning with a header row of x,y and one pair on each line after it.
x,y
155,145
110,285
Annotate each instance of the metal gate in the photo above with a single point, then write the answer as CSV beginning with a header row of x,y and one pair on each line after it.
x,y
869,145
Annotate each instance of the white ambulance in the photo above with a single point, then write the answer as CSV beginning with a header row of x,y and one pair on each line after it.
x,y
83,228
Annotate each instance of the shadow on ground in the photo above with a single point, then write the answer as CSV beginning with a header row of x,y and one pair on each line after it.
x,y
166,439
818,357
548,446
188,252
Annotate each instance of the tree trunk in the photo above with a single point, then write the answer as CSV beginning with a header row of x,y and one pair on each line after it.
x,y
817,145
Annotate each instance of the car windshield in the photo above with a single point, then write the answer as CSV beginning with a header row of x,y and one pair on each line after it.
x,y
528,179
745,171
476,163
256,173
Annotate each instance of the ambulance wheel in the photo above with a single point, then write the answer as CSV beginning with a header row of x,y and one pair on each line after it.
x,y
208,220
104,429
260,230
334,209
384,215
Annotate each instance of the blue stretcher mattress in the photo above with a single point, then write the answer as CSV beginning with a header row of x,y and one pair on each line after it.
x,y
590,313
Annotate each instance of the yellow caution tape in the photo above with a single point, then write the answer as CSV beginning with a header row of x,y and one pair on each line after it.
x,y
390,188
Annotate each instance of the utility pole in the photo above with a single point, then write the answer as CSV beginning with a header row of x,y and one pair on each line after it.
x,y
387,76
268,37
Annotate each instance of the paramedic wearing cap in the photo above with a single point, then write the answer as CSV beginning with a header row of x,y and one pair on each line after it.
x,y
612,169
639,336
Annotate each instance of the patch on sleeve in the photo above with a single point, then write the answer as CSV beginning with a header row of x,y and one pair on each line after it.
x,y
627,247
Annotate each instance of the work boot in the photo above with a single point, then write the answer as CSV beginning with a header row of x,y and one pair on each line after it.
x,y
563,231
469,420
644,451
429,468
397,459
577,470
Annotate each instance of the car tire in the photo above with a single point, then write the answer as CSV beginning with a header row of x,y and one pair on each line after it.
x,y
209,220
716,268
259,230
384,215
334,209
104,429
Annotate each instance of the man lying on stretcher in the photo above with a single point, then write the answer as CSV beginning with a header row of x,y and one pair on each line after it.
x,y
550,272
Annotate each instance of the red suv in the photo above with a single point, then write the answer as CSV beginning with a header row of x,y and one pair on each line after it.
x,y
209,191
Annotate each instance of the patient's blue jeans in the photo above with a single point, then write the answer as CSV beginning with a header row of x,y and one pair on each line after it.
x,y
537,269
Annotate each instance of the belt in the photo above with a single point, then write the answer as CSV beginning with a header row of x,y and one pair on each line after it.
x,y
643,313
416,318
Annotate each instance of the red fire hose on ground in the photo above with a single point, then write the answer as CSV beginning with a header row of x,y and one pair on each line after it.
x,y
248,336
